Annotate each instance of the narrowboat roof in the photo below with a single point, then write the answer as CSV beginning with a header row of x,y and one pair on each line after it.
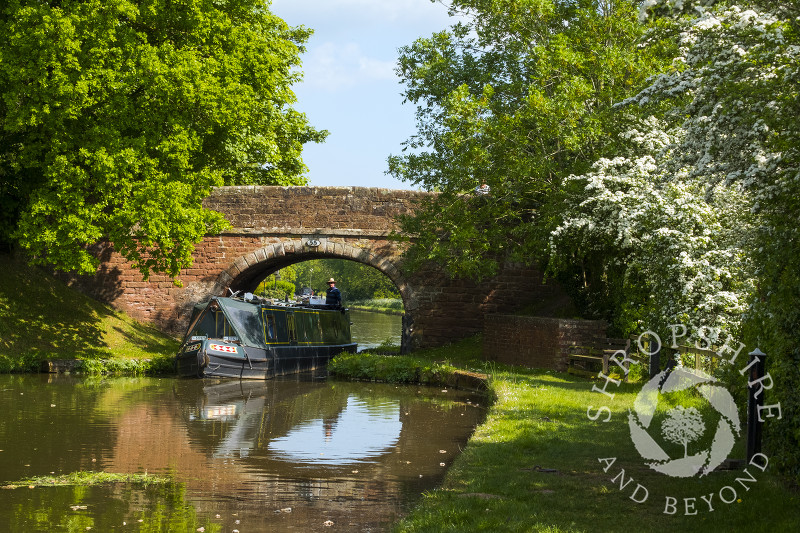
x,y
244,316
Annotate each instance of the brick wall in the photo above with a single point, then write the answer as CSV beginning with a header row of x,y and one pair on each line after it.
x,y
536,342
272,228
257,208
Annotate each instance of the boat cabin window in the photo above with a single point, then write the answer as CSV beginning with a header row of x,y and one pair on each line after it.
x,y
270,333
291,327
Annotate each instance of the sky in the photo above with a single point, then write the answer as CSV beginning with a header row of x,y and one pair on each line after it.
x,y
350,87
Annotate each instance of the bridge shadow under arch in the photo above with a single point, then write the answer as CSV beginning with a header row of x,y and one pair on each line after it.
x,y
273,257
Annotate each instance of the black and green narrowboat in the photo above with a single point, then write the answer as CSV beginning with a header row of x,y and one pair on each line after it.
x,y
250,338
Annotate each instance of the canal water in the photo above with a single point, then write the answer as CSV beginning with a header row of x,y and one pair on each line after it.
x,y
295,454
370,329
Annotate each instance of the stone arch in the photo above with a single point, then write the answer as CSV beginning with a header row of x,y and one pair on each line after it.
x,y
246,272
243,272
271,227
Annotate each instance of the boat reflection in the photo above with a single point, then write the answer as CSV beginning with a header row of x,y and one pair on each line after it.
x,y
261,422
357,453
240,453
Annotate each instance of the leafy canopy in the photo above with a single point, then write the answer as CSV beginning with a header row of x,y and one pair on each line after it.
x,y
118,116
517,95
722,250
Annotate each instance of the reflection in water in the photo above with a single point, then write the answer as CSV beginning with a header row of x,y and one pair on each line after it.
x,y
370,330
357,454
332,442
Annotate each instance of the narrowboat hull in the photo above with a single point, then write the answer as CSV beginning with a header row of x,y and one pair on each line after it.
x,y
254,363
253,339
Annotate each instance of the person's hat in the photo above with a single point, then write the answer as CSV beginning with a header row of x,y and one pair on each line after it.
x,y
331,280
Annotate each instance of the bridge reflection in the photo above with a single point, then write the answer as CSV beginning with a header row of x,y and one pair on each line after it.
x,y
357,454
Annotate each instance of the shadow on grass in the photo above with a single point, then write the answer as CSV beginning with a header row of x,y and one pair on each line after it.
x,y
146,337
41,318
534,465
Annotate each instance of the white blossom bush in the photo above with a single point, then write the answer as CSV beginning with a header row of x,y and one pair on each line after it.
x,y
719,203
735,91
730,84
670,243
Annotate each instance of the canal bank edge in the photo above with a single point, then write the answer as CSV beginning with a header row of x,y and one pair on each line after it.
x,y
160,366
367,366
440,377
382,310
531,466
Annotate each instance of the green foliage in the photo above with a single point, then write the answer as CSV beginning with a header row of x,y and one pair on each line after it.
x,y
27,362
518,95
729,104
68,503
279,284
163,365
356,281
387,346
118,116
651,247
380,304
84,479
276,289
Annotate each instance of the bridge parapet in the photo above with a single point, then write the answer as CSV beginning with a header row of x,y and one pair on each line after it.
x,y
349,211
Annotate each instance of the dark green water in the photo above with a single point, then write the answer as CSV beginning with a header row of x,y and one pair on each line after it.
x,y
370,330
281,455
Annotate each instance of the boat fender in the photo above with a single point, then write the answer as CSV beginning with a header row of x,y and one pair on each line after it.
x,y
202,359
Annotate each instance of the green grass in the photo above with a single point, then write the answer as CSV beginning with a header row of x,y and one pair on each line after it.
x,y
391,369
41,318
533,466
383,305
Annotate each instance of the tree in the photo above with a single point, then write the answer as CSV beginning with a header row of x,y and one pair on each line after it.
x,y
357,281
653,247
279,283
683,426
118,116
728,105
736,94
518,95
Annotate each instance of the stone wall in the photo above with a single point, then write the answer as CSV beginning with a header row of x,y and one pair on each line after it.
x,y
535,341
254,209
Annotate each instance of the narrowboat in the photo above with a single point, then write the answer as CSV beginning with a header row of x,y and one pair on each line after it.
x,y
252,338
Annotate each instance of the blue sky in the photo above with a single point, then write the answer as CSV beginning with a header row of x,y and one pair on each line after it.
x,y
350,87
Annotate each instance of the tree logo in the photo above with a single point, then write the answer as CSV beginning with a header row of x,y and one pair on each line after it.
x,y
683,426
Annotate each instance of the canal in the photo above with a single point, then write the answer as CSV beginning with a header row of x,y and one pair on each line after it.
x,y
295,454
370,329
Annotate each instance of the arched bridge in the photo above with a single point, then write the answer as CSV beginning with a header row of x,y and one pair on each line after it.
x,y
273,227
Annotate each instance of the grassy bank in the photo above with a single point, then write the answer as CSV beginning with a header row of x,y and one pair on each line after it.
x,y
533,465
390,306
41,318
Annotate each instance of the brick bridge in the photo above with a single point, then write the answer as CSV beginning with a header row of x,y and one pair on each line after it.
x,y
273,227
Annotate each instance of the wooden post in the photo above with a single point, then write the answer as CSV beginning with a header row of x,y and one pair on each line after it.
x,y
655,363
